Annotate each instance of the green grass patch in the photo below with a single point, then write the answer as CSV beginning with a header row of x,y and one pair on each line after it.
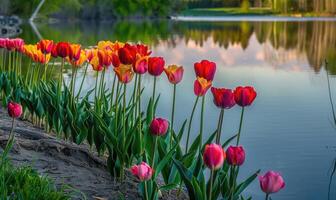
x,y
24,183
226,12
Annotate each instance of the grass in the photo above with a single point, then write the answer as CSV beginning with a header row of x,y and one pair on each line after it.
x,y
215,12
24,183
226,12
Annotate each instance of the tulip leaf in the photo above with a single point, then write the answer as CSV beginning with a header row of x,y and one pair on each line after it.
x,y
187,178
242,186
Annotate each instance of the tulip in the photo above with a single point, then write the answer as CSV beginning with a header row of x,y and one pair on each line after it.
x,y
54,51
96,66
159,126
201,86
80,61
90,53
142,50
127,54
271,182
174,73
115,60
205,69
45,46
10,44
18,44
3,42
104,58
235,155
223,98
14,109
142,171
155,66
124,73
140,66
244,96
75,51
63,49
213,156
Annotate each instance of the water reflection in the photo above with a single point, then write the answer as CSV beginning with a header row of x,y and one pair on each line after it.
x,y
283,42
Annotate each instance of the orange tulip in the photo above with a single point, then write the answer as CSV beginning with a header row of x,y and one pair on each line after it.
x,y
201,86
80,61
124,73
95,64
174,73
141,65
105,57
45,46
75,51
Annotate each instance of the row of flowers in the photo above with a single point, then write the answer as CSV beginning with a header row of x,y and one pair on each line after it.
x,y
134,59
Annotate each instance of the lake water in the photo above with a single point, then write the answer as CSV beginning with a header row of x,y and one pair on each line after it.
x,y
288,129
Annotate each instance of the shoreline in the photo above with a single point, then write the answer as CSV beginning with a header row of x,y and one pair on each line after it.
x,y
266,18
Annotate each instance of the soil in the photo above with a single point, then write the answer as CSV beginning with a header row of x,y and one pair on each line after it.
x,y
68,164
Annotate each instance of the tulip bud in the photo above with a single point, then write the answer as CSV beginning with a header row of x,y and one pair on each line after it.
x,y
142,171
235,155
14,109
244,96
155,66
271,182
159,126
201,86
63,49
223,98
174,73
205,69
213,156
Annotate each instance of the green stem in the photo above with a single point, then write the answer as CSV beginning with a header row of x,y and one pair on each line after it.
x,y
81,85
61,75
172,118
96,85
139,111
116,110
201,124
154,149
190,122
211,182
154,88
219,127
112,92
45,67
123,129
266,196
240,125
11,135
146,192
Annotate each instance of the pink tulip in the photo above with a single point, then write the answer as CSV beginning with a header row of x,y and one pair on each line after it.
x,y
14,109
159,126
143,171
223,98
213,156
271,182
235,155
3,42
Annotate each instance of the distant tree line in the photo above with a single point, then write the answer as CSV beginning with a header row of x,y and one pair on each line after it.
x,y
276,5
93,9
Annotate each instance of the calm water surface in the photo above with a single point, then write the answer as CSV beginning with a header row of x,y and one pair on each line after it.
x,y
289,128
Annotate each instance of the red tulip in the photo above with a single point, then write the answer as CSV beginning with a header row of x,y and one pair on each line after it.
x,y
45,46
141,65
205,69
18,44
115,60
54,51
3,42
223,98
143,171
201,86
213,156
143,50
155,66
244,96
63,49
127,54
124,73
174,73
89,54
271,182
159,126
235,155
14,109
